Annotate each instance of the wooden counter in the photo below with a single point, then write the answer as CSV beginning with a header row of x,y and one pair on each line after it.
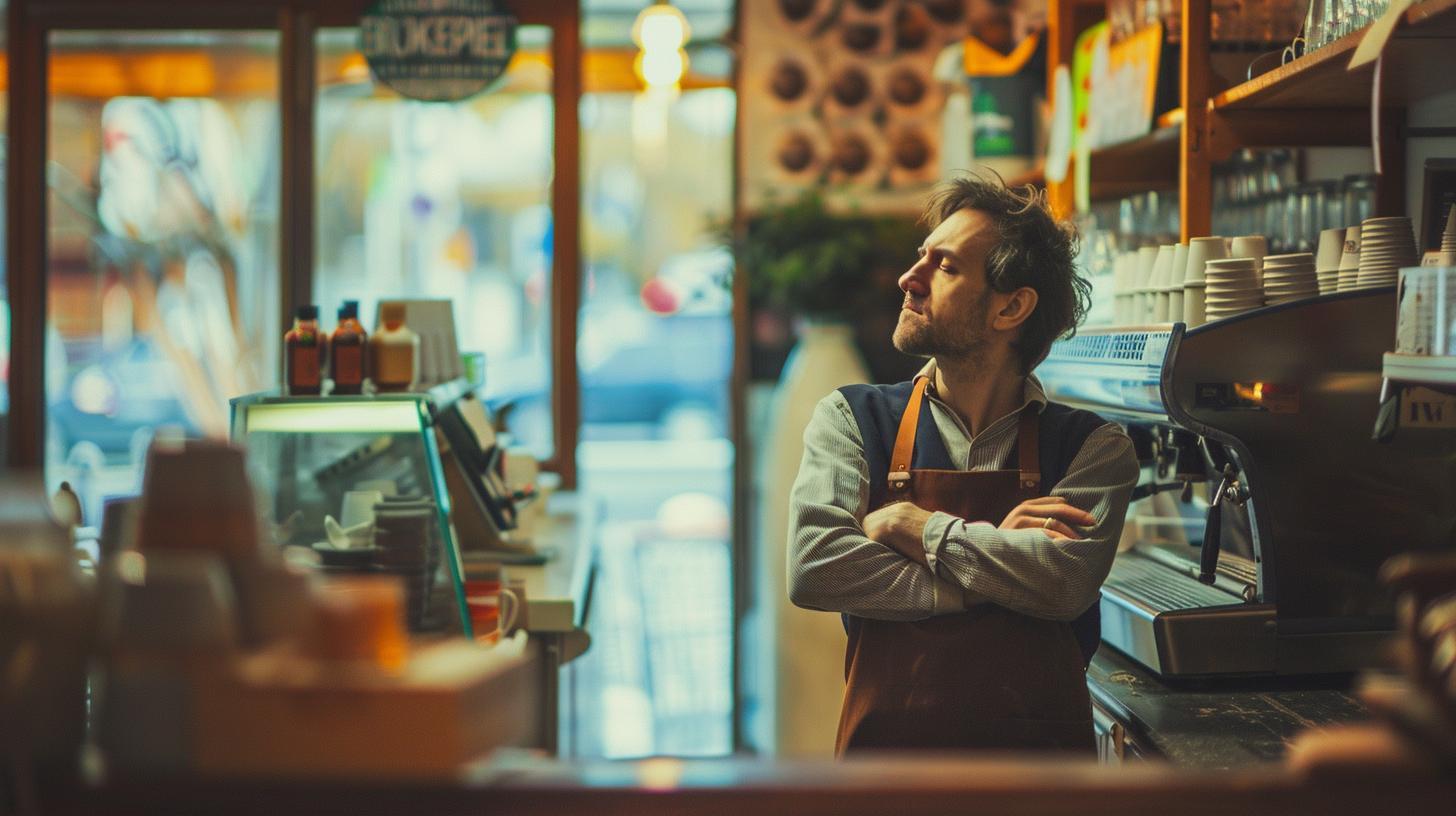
x,y
516,784
1212,724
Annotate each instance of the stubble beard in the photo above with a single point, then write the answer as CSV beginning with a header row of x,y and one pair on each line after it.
x,y
964,340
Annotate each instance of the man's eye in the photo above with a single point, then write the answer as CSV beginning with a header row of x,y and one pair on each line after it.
x,y
945,267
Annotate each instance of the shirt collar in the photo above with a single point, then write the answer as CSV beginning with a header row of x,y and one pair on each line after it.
x,y
1031,393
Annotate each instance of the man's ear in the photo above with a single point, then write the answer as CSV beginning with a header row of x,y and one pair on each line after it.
x,y
1015,308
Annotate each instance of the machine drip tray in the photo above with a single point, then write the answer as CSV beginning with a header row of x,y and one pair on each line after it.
x,y
1178,627
1159,588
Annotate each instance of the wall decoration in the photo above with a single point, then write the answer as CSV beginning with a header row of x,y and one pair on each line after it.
x,y
839,96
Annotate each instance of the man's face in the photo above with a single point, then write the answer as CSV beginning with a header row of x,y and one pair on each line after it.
x,y
947,298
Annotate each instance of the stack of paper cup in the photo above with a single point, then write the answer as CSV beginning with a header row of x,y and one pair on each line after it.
x,y
1289,277
1158,286
1250,246
1176,278
1233,287
1142,306
1124,282
1349,277
1327,259
1386,244
1200,252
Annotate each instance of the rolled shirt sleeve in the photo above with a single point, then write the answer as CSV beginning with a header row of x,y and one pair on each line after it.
x,y
1027,570
832,565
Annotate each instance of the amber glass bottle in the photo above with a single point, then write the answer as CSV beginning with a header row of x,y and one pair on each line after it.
x,y
396,351
303,353
347,351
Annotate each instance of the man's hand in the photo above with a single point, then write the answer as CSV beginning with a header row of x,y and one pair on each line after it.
x,y
1051,514
901,527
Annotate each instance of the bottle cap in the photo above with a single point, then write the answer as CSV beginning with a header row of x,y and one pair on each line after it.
x,y
309,312
349,309
391,312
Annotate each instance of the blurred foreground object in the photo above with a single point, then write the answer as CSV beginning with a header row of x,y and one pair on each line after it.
x,y
46,631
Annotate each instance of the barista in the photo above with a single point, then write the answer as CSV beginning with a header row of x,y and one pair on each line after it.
x,y
961,522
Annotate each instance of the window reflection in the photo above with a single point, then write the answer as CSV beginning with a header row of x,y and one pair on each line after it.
x,y
162,243
445,200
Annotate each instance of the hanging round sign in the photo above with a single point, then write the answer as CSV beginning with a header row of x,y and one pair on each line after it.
x,y
438,50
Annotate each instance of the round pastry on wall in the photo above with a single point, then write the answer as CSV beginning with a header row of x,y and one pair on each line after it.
x,y
794,82
857,155
865,38
914,29
914,154
800,154
910,88
852,89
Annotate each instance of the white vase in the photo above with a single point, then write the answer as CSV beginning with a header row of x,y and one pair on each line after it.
x,y
801,675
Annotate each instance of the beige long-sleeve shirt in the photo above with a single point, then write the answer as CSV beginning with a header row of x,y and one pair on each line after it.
x,y
833,566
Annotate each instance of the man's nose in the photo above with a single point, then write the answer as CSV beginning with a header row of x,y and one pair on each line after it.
x,y
913,280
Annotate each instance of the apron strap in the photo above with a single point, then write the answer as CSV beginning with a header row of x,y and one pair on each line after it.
x,y
904,451
1028,451
1028,435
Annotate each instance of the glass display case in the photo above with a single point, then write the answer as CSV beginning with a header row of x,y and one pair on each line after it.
x,y
360,480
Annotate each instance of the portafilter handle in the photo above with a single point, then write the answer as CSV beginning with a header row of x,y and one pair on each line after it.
x,y
1213,528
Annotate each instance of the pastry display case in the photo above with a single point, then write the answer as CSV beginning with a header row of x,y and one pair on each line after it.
x,y
360,482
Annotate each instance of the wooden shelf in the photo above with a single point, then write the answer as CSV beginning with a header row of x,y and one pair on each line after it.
x,y
1320,79
1146,163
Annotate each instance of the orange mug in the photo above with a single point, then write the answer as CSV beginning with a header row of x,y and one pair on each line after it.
x,y
493,609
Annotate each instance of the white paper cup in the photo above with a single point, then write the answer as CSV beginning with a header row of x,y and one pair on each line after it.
x,y
1193,305
1146,256
1200,252
1331,246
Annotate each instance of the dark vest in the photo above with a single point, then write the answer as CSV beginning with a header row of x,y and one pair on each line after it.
x,y
877,410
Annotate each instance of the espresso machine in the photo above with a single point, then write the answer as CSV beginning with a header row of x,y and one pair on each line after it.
x,y
1264,508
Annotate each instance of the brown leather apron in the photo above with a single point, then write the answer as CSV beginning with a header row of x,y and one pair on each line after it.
x,y
984,679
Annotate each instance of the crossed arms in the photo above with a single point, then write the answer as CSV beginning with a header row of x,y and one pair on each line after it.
x,y
903,563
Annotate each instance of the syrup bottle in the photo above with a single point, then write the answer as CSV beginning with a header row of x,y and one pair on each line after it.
x,y
396,350
346,351
303,353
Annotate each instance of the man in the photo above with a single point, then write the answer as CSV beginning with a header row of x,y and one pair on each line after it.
x,y
961,522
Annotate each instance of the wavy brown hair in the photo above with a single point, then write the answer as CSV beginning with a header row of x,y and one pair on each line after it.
x,y
1033,249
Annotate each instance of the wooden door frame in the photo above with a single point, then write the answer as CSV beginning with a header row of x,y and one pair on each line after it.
x,y
30,23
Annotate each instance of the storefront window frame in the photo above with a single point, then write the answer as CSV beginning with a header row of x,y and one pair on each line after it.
x,y
297,21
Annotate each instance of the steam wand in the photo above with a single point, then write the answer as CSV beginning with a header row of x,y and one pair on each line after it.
x,y
1230,490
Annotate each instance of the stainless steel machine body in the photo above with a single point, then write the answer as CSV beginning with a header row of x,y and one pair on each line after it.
x,y
1264,509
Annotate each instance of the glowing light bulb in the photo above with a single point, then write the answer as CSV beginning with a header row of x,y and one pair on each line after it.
x,y
661,31
661,69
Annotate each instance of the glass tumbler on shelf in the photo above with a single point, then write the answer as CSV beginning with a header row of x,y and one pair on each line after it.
x,y
1359,195
1311,209
1314,25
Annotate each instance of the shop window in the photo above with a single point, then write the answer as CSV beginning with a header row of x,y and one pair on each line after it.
x,y
162,243
655,353
437,200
